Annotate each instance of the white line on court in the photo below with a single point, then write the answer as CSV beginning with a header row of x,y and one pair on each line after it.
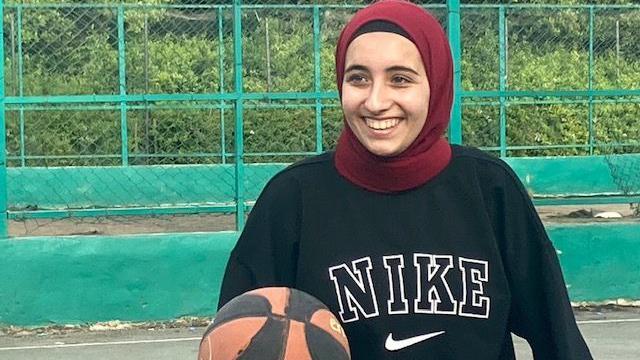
x,y
610,321
133,342
99,344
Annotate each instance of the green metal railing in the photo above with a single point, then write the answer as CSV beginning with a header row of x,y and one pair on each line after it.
x,y
3,154
589,95
227,112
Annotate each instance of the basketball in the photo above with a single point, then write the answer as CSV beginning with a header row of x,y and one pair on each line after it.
x,y
274,323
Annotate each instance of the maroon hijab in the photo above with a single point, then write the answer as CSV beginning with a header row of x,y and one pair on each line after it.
x,y
430,153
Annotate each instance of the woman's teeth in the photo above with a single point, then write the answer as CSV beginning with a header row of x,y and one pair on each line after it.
x,y
381,124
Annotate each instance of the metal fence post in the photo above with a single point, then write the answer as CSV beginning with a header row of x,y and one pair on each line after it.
x,y
239,128
3,136
317,80
455,129
223,139
591,105
122,87
21,86
502,34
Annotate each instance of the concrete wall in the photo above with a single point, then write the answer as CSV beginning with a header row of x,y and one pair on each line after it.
x,y
105,187
71,280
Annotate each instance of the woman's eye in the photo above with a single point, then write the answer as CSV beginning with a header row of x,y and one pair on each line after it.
x,y
400,80
356,79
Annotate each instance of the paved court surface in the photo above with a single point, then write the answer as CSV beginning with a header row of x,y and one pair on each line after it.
x,y
611,335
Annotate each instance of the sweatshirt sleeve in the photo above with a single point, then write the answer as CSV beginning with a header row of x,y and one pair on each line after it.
x,y
266,252
540,309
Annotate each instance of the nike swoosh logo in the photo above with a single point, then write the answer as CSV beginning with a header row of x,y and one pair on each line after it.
x,y
395,345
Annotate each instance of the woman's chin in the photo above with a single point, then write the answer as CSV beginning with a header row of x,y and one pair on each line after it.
x,y
384,151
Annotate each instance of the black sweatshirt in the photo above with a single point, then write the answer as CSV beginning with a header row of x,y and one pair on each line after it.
x,y
444,271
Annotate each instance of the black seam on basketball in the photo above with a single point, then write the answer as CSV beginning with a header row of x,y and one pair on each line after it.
x,y
302,306
267,343
242,307
289,294
323,346
285,338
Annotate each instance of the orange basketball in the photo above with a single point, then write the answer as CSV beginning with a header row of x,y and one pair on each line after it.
x,y
274,323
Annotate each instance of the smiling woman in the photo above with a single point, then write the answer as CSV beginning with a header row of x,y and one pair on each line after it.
x,y
385,100
422,249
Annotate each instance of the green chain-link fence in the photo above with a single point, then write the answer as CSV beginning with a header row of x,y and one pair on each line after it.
x,y
135,109
573,71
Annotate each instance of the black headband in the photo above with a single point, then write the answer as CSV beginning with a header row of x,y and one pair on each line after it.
x,y
381,26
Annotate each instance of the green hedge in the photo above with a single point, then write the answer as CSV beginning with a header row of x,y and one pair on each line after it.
x,y
176,50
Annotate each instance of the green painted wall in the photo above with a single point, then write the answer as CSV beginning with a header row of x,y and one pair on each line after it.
x,y
97,187
87,279
159,277
600,261
558,176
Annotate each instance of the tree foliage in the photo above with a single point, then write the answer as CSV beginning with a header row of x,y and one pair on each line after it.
x,y
74,51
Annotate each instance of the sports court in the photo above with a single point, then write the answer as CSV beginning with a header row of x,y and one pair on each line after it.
x,y
139,134
611,334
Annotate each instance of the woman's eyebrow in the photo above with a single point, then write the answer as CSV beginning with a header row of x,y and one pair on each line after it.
x,y
356,67
401,68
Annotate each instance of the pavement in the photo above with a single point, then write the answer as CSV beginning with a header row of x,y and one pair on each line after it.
x,y
612,334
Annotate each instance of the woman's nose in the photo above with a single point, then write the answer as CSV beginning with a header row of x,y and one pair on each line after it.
x,y
378,99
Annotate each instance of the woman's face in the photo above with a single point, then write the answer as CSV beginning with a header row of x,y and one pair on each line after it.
x,y
385,92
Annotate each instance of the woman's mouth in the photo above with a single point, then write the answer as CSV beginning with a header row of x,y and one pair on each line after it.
x,y
381,124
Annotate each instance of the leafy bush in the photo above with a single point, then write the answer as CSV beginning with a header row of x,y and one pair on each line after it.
x,y
74,51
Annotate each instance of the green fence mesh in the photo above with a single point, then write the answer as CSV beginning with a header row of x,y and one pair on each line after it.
x,y
129,108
